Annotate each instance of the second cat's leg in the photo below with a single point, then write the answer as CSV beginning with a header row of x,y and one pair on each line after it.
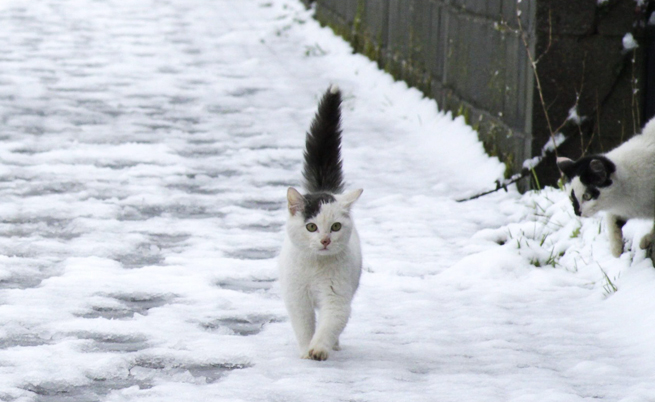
x,y
333,317
615,233
647,240
303,319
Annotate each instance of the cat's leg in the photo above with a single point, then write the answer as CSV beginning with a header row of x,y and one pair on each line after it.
x,y
647,240
333,317
615,233
303,319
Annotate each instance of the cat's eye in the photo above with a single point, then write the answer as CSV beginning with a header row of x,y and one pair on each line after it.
x,y
312,227
336,227
586,196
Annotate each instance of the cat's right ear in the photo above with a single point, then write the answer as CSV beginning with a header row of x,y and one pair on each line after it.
x,y
566,166
295,200
598,170
349,198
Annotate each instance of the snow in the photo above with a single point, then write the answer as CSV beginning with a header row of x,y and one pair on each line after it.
x,y
147,148
574,116
553,143
550,146
629,42
532,162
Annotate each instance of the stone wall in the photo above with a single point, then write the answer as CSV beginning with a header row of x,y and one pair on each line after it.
x,y
473,57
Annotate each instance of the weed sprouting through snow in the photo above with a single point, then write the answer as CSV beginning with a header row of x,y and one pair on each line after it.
x,y
315,50
548,234
609,287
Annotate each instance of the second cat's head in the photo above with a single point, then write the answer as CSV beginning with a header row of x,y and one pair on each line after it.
x,y
590,180
320,223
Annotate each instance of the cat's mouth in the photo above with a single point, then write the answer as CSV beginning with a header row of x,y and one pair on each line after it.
x,y
325,250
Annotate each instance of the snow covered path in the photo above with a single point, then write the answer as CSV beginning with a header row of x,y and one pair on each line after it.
x,y
146,150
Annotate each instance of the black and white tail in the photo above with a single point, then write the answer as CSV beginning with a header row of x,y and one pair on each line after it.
x,y
322,170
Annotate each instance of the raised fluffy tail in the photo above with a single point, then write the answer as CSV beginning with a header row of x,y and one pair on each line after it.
x,y
322,169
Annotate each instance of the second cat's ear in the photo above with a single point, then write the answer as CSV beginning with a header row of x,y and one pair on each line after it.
x,y
295,200
598,170
347,199
565,165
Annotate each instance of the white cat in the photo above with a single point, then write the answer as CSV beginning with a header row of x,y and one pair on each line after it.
x,y
321,263
621,182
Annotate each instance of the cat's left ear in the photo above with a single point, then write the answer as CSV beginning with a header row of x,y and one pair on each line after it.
x,y
349,198
296,202
566,165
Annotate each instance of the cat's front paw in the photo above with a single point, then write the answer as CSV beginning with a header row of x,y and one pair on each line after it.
x,y
318,353
647,241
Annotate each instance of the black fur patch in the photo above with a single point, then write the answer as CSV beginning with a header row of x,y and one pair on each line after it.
x,y
588,176
593,192
313,204
322,169
576,204
593,175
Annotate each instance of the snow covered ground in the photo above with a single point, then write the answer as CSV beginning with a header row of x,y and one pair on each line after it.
x,y
146,150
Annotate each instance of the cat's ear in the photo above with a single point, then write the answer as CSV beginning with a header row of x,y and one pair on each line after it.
x,y
566,166
598,170
347,199
295,200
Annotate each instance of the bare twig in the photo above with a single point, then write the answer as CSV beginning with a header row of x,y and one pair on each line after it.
x,y
597,125
525,172
635,109
500,185
550,33
533,63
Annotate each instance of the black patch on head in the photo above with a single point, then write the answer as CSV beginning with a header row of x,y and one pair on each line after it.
x,y
313,204
593,171
576,204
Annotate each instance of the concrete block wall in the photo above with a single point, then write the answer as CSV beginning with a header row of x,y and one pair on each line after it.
x,y
429,44
471,57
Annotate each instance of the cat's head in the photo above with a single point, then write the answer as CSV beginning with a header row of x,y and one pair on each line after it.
x,y
320,223
590,180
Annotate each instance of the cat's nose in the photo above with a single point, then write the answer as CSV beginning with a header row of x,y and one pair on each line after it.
x,y
326,242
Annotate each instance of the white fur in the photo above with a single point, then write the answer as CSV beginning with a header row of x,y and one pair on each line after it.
x,y
614,234
632,192
318,277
